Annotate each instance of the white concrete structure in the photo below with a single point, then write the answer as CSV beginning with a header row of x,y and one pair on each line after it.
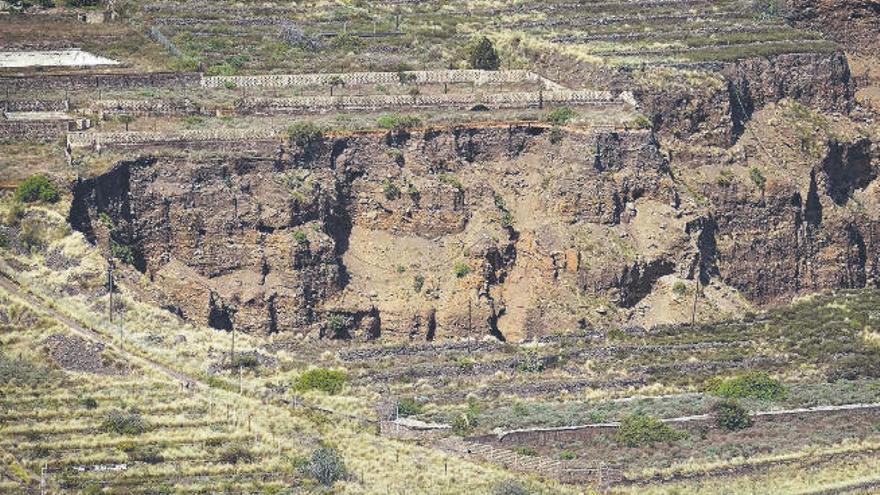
x,y
73,57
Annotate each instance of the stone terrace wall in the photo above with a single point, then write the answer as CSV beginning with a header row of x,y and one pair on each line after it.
x,y
32,129
478,77
147,107
530,99
96,81
34,106
133,138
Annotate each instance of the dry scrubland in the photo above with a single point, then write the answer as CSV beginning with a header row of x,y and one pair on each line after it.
x,y
128,397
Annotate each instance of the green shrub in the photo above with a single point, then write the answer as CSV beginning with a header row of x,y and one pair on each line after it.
x,y
418,283
451,180
124,423
398,122
89,403
304,134
345,42
482,55
325,380
567,455
641,429
754,385
300,237
408,407
679,288
390,190
725,178
325,465
530,362
122,252
36,188
336,326
413,192
461,269
731,416
556,135
506,215
561,116
758,178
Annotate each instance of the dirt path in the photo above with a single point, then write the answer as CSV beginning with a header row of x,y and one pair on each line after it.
x,y
89,334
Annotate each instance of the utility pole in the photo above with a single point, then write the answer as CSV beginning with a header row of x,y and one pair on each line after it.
x,y
110,283
232,349
470,327
694,309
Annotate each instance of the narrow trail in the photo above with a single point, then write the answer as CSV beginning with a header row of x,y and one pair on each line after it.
x,y
187,381
89,334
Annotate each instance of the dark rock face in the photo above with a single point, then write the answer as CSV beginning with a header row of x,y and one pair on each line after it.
x,y
855,23
717,115
799,238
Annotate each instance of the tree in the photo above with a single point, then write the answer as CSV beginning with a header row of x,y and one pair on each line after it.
x,y
483,55
126,119
334,82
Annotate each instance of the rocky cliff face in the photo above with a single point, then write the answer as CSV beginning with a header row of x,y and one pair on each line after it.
x,y
514,230
715,113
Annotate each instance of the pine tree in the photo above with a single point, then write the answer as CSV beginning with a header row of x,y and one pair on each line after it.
x,y
483,55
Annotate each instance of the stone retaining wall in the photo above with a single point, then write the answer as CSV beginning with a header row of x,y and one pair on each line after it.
x,y
101,139
34,106
147,107
477,77
492,101
37,129
99,81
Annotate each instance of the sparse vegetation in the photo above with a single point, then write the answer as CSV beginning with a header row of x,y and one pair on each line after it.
x,y
304,134
390,190
561,116
461,269
398,123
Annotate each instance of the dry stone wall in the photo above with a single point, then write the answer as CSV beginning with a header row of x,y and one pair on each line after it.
x,y
526,99
85,140
100,81
32,129
477,77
